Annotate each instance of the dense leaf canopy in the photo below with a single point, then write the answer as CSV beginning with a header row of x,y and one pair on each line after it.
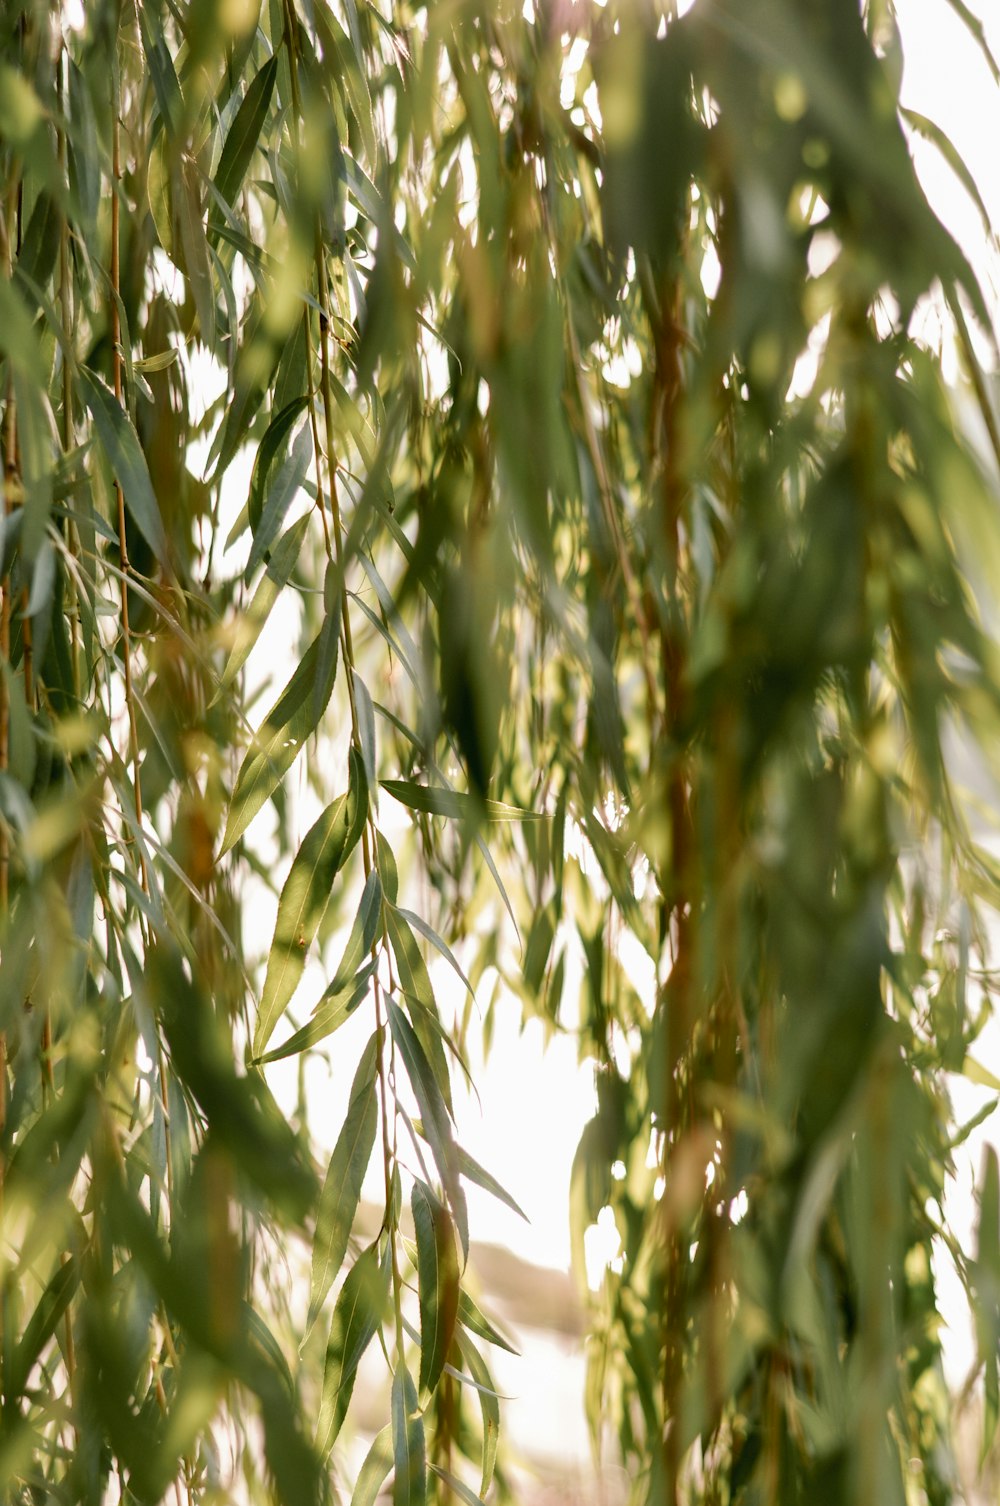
x,y
473,474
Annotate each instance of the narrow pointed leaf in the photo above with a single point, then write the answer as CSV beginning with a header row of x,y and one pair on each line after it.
x,y
475,1320
366,731
338,1202
251,621
458,1486
435,1115
306,894
332,1011
276,745
437,942
437,801
363,933
438,1282
416,984
244,133
42,1324
482,1178
268,456
161,72
120,444
471,1169
490,1406
409,1486
356,1319
378,1462
281,493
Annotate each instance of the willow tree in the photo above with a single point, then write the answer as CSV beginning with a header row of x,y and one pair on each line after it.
x,y
635,550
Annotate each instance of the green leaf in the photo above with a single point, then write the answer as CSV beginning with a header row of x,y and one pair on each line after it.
x,y
438,1282
161,72
280,495
471,1168
482,1178
436,801
40,246
409,1486
21,749
363,933
306,894
161,361
366,733
255,367
244,133
251,621
20,108
340,56
987,1283
238,1109
437,942
197,261
120,444
268,451
933,133
416,985
18,340
329,636
276,744
356,1319
977,1073
332,1011
42,1324
434,1112
490,1406
377,1464
159,194
472,1317
341,1192
458,1486
266,1342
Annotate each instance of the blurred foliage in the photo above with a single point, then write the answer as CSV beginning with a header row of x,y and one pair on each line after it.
x,y
636,561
